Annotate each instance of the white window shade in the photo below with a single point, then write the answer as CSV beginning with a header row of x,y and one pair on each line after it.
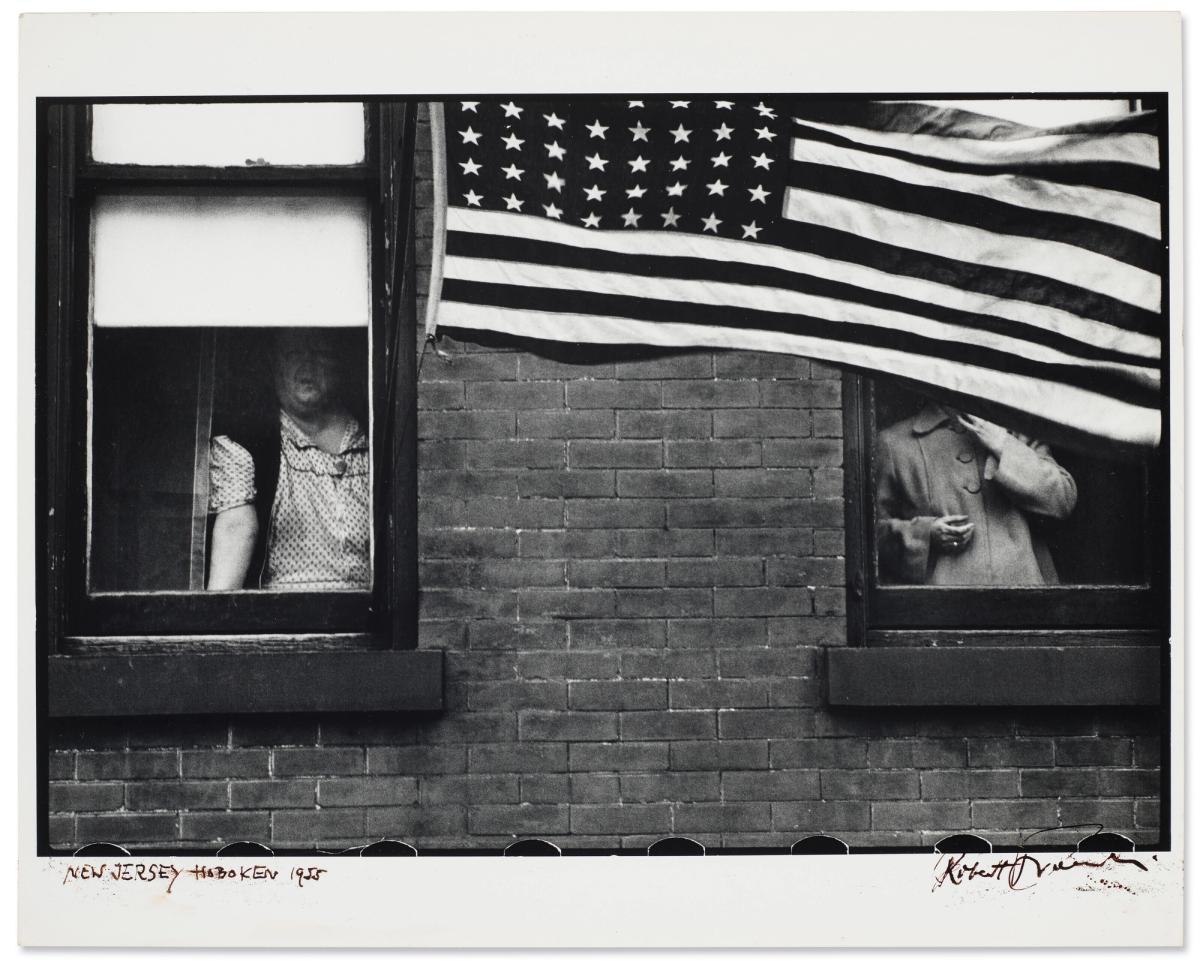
x,y
262,261
228,134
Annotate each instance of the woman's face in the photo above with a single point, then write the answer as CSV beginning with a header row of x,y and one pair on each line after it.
x,y
307,368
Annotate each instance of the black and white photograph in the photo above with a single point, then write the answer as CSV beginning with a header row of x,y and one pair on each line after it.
x,y
599,472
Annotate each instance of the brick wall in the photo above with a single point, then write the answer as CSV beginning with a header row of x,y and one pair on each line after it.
x,y
633,561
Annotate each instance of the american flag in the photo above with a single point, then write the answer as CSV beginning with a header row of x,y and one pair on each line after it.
x,y
987,259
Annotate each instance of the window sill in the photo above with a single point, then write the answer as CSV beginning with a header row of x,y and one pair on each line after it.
x,y
1043,676
244,683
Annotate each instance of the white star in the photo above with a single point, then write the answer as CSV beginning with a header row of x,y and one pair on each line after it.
x,y
554,182
670,218
512,172
552,211
750,230
591,220
636,191
762,160
765,111
555,151
636,103
469,136
554,120
638,165
470,105
716,187
512,110
639,132
757,193
676,189
631,219
724,104
470,167
680,134
682,104
512,203
595,130
595,161
512,142
679,164
723,131
594,192
722,159
711,222
473,198
764,133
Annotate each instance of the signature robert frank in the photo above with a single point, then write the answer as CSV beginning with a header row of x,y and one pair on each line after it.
x,y
1021,871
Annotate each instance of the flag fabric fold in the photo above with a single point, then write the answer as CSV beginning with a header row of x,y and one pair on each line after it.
x,y
987,259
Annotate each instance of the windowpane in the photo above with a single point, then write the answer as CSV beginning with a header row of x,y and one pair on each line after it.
x,y
195,428
228,134
948,512
263,261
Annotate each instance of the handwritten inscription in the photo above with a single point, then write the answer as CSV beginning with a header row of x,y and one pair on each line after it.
x,y
1018,872
166,873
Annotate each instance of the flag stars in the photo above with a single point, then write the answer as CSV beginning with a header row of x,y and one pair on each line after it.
x,y
670,218
765,133
759,194
639,164
554,120
680,134
512,142
722,159
594,193
750,231
635,192
555,151
512,203
554,181
512,110
724,104
473,198
679,104
470,105
679,164
636,103
512,172
591,220
470,136
470,167
762,160
711,222
596,129
676,189
631,217
596,162
765,111
717,188
640,133
553,212
723,132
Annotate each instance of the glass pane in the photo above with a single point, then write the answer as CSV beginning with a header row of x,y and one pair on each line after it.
x,y
187,261
230,459
949,512
228,134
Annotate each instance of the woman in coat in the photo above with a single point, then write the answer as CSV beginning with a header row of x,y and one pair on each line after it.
x,y
954,494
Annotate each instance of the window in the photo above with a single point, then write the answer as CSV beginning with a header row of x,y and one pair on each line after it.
x,y
226,334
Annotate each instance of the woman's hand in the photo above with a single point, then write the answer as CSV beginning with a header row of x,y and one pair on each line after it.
x,y
992,436
952,533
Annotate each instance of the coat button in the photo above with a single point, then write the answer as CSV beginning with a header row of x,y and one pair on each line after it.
x,y
966,456
972,487
339,467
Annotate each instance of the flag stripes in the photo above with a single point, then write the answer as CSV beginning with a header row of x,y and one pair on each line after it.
x,y
982,257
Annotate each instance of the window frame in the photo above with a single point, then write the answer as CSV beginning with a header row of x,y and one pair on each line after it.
x,y
106,652
1046,646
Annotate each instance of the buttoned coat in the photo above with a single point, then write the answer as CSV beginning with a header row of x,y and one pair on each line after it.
x,y
929,466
